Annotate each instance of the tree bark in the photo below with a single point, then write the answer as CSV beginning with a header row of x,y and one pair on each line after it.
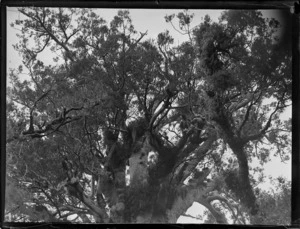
x,y
248,197
237,145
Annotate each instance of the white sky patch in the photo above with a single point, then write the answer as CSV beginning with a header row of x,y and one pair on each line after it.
x,y
72,217
273,169
186,219
196,211
127,175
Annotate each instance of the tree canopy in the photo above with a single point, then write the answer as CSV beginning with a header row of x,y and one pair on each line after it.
x,y
124,129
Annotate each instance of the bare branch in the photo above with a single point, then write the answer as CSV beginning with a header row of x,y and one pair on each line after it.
x,y
178,107
76,190
200,153
160,111
246,117
247,99
220,218
136,42
60,24
263,130
42,24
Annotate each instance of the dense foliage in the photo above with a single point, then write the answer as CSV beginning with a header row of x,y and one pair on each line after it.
x,y
124,129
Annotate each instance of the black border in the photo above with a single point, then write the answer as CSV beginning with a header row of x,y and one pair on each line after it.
x,y
155,4
296,120
159,4
2,110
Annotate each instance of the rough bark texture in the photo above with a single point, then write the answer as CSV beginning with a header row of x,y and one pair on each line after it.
x,y
237,145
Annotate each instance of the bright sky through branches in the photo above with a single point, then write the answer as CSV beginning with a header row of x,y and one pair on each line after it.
x,y
151,20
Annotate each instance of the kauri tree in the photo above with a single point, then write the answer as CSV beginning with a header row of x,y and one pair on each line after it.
x,y
123,129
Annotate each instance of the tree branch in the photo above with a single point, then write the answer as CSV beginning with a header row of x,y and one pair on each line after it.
x,y
220,218
244,102
136,42
263,130
161,110
75,190
246,117
223,199
200,153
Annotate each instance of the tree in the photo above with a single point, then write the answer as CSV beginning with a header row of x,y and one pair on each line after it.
x,y
123,129
275,206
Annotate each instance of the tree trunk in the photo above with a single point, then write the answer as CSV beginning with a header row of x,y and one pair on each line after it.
x,y
237,145
248,196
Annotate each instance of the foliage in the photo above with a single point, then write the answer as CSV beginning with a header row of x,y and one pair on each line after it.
x,y
124,129
275,206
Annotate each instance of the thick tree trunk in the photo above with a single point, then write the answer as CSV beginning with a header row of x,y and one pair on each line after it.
x,y
237,145
248,196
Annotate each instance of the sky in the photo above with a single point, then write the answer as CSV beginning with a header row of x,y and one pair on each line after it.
x,y
152,20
